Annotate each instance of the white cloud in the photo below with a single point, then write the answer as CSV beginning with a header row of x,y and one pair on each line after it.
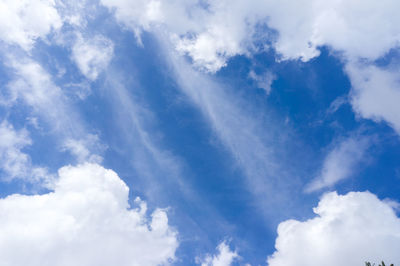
x,y
34,86
366,29
160,171
211,32
358,30
225,257
214,31
137,14
376,93
263,80
24,21
252,147
137,126
13,161
80,148
237,128
336,104
93,55
341,162
348,230
86,221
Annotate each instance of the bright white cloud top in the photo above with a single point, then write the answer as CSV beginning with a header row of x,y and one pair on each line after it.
x,y
212,35
348,230
225,256
86,221
22,22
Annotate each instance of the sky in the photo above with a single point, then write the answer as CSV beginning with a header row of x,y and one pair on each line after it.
x,y
199,132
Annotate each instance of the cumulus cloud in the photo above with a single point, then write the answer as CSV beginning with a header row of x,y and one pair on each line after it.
x,y
14,163
24,21
341,162
92,55
376,93
366,29
214,31
85,221
211,32
348,230
225,257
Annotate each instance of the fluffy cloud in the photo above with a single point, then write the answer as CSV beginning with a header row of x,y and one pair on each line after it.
x,y
225,257
348,230
340,162
211,32
214,31
86,221
24,21
14,163
228,26
366,29
92,55
376,93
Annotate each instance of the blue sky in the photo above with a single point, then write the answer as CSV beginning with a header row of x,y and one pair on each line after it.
x,y
199,132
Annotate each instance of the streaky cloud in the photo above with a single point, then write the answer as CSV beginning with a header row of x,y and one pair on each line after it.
x,y
33,86
341,162
16,164
251,145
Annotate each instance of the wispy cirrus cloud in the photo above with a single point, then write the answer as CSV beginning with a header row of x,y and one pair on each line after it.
x,y
253,148
30,84
135,124
341,162
14,163
238,130
33,86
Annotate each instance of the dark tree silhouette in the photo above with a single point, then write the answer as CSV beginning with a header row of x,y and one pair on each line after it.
x,y
369,264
